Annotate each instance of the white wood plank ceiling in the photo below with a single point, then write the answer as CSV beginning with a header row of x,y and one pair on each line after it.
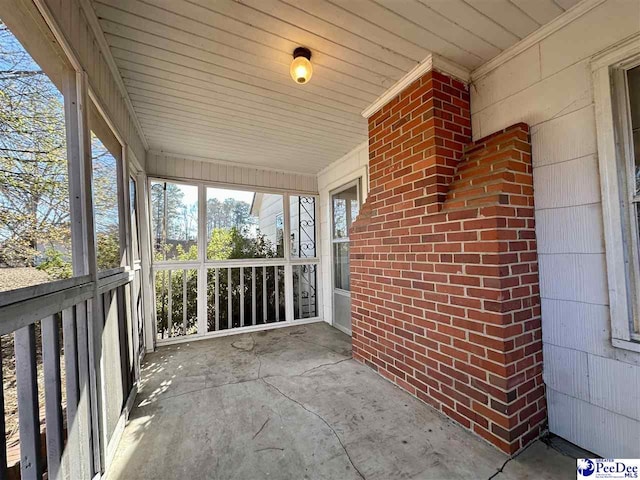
x,y
210,78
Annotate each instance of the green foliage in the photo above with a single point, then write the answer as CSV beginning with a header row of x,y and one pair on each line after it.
x,y
55,265
108,249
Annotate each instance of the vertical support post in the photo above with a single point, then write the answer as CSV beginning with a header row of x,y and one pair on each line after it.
x,y
299,269
84,263
288,270
277,292
241,321
28,411
184,301
202,255
170,305
264,295
229,300
53,394
147,274
217,299
253,295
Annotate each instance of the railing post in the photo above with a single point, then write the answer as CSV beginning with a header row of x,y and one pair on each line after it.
x,y
53,394
28,406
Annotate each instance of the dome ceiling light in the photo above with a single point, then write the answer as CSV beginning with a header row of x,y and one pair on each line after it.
x,y
301,68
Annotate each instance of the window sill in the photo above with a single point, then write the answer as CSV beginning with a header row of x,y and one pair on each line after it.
x,y
632,345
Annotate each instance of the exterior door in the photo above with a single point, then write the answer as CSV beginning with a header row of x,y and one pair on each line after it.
x,y
345,205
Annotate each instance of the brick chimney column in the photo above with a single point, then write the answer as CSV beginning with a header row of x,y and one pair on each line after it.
x,y
444,273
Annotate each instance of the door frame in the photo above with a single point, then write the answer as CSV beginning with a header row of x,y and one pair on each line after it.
x,y
358,184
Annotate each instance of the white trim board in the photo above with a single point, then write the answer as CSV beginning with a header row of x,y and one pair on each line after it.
x,y
429,63
537,36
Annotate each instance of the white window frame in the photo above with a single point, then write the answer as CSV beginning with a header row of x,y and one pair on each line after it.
x,y
614,148
288,261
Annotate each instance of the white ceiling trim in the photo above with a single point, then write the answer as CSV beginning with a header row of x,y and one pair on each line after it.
x,y
432,61
196,158
540,34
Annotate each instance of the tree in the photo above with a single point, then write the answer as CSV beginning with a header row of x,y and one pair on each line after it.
x,y
34,196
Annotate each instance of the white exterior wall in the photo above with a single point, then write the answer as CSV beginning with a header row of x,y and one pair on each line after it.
x,y
353,165
593,389
224,173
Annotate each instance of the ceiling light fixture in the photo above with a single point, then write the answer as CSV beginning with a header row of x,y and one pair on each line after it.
x,y
301,68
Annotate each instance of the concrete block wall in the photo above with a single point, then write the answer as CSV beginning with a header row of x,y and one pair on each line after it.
x,y
593,389
445,299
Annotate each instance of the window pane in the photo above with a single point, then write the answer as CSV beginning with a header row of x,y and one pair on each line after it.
x,y
174,219
303,226
105,205
244,224
35,232
244,296
345,209
341,265
133,206
304,291
176,303
633,78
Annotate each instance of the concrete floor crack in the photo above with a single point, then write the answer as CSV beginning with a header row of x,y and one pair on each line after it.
x,y
323,421
500,469
322,365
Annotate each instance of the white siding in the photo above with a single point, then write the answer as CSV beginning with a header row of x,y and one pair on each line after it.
x,y
592,387
163,165
342,171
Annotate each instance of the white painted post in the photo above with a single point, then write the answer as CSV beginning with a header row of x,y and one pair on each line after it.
x,y
264,295
241,321
184,301
169,305
229,300
202,299
217,299
253,295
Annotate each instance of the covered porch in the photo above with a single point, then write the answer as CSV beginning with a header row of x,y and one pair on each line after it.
x,y
318,238
291,403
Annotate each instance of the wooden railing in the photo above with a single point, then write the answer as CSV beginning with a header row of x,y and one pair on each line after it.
x,y
231,295
57,330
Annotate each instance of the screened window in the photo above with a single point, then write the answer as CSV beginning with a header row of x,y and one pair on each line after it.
x,y
303,226
243,224
133,208
174,220
35,227
105,205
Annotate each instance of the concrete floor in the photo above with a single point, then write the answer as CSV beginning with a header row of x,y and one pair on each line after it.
x,y
291,404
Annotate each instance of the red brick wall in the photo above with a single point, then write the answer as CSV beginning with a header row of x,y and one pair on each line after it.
x,y
444,272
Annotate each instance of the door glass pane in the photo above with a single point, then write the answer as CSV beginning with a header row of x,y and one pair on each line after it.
x,y
345,209
341,265
339,217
